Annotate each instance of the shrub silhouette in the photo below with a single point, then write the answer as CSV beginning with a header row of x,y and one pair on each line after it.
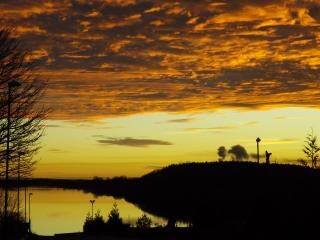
x,y
114,219
94,225
97,224
114,222
143,222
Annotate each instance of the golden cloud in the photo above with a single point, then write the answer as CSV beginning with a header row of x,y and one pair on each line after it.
x,y
119,57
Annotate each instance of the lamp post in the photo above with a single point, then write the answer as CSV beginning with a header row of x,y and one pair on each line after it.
x,y
258,140
25,201
12,84
30,194
19,158
92,202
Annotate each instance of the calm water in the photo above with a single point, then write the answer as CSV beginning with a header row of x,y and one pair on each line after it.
x,y
61,211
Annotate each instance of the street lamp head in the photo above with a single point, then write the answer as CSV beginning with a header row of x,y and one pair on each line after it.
x,y
14,83
92,201
258,140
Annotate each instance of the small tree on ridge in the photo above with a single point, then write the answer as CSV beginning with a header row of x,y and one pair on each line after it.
x,y
311,149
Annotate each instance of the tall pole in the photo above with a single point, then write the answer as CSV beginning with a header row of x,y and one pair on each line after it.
x,y
25,201
30,194
92,202
5,232
258,140
18,214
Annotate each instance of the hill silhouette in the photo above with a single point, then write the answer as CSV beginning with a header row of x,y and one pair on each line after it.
x,y
233,197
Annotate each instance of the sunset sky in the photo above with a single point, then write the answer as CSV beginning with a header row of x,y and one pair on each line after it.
x,y
138,84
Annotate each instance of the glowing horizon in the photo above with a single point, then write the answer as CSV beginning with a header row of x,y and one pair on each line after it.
x,y
135,145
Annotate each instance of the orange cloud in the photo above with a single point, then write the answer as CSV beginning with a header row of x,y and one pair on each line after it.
x,y
119,2
20,30
26,9
119,57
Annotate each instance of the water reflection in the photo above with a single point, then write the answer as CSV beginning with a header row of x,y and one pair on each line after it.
x,y
60,211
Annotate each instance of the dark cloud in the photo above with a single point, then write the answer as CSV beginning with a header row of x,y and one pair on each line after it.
x,y
133,142
315,12
150,96
56,150
180,120
289,139
213,129
221,128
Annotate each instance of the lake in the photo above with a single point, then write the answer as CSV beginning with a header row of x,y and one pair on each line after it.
x,y
63,211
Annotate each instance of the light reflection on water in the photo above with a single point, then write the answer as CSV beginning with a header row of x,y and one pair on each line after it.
x,y
62,211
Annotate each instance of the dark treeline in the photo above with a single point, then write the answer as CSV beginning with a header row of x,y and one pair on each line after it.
x,y
117,186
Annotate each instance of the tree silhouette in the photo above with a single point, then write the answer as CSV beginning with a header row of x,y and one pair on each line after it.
x,y
94,224
222,153
311,149
238,153
114,220
21,116
144,222
27,115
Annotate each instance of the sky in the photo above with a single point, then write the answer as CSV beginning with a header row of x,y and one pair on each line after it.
x,y
135,85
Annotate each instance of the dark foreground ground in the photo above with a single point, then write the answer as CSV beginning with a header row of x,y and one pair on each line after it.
x,y
179,234
80,236
231,199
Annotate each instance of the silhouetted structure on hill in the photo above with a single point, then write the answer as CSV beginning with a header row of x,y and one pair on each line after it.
x,y
268,155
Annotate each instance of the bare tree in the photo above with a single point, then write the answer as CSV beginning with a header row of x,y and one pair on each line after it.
x,y
21,116
27,115
311,149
